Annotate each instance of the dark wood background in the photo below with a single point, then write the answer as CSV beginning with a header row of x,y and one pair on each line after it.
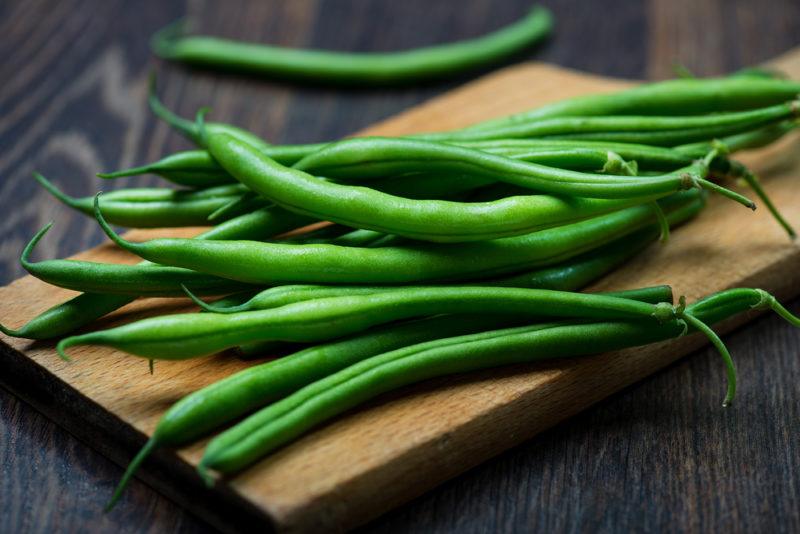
x,y
661,456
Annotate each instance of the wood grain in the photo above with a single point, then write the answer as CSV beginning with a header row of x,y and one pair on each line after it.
x,y
374,459
652,458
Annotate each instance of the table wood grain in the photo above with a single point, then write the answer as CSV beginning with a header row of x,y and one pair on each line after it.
x,y
654,457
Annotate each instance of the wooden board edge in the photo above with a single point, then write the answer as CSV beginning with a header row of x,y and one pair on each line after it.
x,y
165,471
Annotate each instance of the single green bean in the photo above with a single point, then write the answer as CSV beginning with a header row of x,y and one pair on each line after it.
x,y
354,68
153,208
567,276
189,335
671,97
273,263
115,279
374,157
631,129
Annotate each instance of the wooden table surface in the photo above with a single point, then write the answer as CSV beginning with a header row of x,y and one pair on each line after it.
x,y
656,457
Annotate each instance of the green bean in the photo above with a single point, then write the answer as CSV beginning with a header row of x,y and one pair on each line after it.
x,y
273,263
190,335
661,138
193,168
200,412
115,279
563,277
443,221
674,97
650,157
307,408
354,68
671,97
629,129
743,141
83,309
153,208
196,168
371,157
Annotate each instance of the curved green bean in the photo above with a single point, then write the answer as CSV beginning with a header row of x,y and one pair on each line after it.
x,y
154,207
272,263
373,157
118,279
355,68
567,276
189,335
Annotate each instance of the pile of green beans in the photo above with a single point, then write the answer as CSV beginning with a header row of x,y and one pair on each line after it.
x,y
404,258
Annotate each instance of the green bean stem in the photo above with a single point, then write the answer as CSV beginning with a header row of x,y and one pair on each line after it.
x,y
189,335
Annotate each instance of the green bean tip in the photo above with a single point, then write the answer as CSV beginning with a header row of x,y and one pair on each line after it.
x,y
161,42
98,215
205,474
9,331
62,347
28,250
53,190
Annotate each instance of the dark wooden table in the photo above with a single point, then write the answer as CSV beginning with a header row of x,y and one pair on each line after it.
x,y
659,456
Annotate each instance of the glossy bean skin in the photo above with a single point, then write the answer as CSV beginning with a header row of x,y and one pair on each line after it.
x,y
287,419
190,335
85,308
273,263
443,221
355,68
671,97
154,207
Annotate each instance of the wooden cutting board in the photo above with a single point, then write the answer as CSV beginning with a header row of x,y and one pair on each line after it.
x,y
396,448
